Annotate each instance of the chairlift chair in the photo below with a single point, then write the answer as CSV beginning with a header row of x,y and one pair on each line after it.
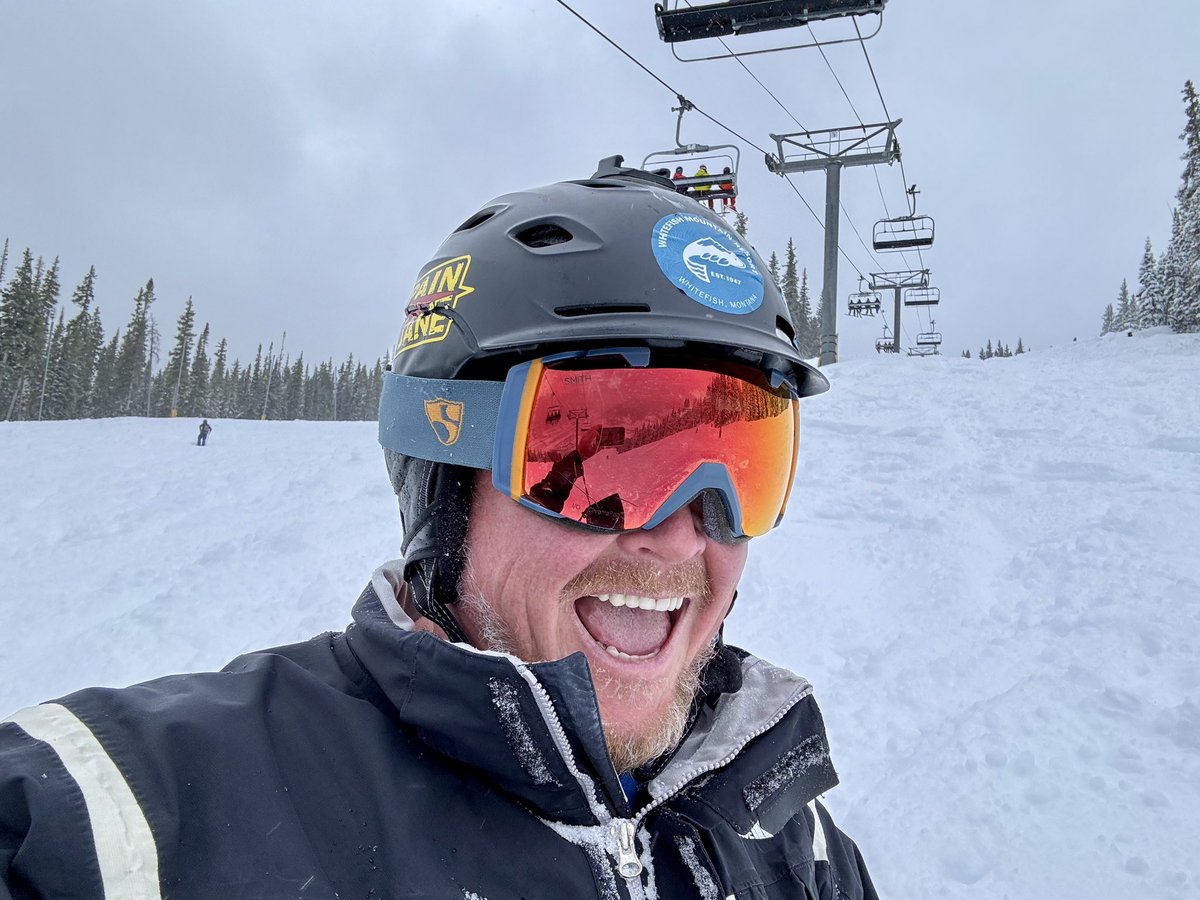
x,y
864,303
903,233
717,184
691,22
926,296
929,339
923,351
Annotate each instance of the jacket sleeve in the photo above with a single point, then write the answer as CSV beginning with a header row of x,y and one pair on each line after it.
x,y
46,843
847,874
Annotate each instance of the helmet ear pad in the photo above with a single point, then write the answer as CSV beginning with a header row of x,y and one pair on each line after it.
x,y
435,502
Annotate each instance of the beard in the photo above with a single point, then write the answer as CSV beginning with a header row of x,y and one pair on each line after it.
x,y
628,747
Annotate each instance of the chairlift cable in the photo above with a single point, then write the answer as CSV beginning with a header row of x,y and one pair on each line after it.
x,y
874,169
636,62
867,56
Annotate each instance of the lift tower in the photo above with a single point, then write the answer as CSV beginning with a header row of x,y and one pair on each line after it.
x,y
831,149
910,280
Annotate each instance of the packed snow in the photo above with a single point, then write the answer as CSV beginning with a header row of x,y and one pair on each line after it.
x,y
990,572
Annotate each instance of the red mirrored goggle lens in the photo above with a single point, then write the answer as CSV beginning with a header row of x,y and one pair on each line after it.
x,y
614,447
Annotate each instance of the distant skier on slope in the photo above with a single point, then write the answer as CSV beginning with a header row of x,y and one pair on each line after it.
x,y
532,702
202,437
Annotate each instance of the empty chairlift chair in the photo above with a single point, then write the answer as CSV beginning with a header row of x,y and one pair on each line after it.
x,y
926,296
903,233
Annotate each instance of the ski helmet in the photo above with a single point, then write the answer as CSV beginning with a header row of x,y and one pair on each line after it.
x,y
619,259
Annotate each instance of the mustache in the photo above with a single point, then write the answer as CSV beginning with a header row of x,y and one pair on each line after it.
x,y
687,579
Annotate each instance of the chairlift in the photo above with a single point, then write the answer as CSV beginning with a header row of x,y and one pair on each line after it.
x,y
886,344
864,303
926,296
911,232
929,339
682,164
731,18
923,351
903,233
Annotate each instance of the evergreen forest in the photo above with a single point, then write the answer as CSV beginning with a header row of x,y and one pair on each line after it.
x,y
57,362
1168,286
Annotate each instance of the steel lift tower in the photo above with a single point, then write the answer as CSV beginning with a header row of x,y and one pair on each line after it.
x,y
832,149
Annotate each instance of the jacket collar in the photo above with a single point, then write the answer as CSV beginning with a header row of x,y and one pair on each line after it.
x,y
534,728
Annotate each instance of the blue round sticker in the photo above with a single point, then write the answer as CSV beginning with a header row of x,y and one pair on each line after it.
x,y
708,263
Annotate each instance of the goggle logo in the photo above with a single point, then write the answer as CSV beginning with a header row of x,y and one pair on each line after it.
x,y
445,418
440,286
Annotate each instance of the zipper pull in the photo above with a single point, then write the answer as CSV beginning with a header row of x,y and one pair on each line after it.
x,y
628,863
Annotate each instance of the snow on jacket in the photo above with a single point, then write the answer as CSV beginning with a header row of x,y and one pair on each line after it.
x,y
384,762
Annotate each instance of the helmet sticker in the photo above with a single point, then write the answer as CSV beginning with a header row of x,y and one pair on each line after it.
x,y
440,286
708,263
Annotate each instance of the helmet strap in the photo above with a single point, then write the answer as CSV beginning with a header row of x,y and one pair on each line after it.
x,y
434,548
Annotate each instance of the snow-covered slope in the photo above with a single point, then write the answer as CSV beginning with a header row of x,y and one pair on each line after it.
x,y
990,571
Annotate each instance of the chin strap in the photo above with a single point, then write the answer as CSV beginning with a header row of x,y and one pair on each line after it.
x,y
421,578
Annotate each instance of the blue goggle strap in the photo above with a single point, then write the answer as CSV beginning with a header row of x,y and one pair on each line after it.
x,y
440,419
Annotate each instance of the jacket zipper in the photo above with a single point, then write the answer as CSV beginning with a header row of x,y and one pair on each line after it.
x,y
629,864
704,770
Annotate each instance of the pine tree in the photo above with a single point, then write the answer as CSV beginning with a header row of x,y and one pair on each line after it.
x,y
1125,308
811,345
1147,299
81,347
1020,347
130,385
1106,325
219,391
173,384
106,400
790,285
966,354
773,270
1186,237
195,402
741,224
989,352
26,309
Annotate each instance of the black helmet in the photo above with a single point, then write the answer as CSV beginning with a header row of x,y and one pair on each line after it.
x,y
617,259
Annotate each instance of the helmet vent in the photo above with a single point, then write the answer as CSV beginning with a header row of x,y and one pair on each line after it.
x,y
785,329
546,234
478,219
597,309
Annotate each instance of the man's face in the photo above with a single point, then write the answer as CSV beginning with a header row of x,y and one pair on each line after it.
x,y
541,589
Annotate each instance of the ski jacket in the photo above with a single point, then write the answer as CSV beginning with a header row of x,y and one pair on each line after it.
x,y
384,762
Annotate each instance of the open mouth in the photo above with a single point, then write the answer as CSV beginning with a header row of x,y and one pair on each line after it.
x,y
630,627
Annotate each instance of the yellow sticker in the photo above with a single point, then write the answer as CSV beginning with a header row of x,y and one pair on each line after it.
x,y
440,286
445,418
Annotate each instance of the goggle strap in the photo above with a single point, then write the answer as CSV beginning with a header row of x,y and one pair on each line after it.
x,y
440,419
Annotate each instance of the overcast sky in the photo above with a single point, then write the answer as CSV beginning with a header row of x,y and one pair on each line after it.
x,y
292,166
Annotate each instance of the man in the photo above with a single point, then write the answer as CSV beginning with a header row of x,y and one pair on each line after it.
x,y
592,406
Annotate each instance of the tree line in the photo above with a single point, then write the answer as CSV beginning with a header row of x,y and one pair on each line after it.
x,y
55,366
1168,289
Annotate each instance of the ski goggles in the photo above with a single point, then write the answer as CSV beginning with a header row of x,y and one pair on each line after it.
x,y
609,439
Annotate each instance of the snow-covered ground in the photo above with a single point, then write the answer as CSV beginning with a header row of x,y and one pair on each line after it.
x,y
990,571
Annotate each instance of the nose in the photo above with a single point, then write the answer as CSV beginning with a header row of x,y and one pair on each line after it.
x,y
676,539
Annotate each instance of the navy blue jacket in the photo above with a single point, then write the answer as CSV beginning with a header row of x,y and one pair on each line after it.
x,y
383,762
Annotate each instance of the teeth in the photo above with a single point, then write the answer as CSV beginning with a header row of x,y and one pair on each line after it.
x,y
620,654
664,604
